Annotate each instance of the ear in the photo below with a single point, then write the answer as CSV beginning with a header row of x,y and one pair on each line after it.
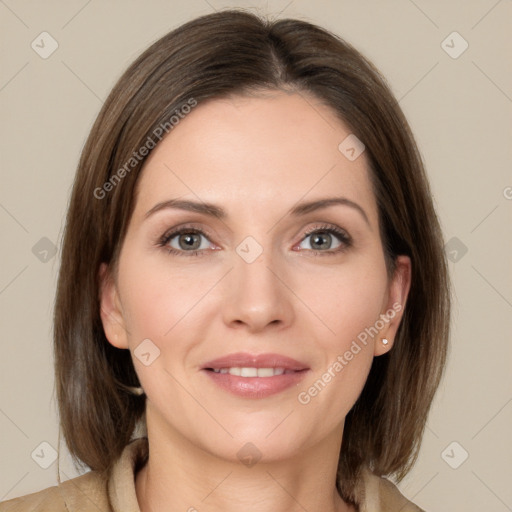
x,y
393,310
110,309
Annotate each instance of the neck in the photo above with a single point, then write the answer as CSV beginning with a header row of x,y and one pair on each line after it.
x,y
181,476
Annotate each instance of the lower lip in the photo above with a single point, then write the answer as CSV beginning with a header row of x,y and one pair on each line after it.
x,y
256,387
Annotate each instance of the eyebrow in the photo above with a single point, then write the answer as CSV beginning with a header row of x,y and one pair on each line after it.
x,y
219,213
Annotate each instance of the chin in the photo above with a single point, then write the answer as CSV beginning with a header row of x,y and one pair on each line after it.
x,y
267,438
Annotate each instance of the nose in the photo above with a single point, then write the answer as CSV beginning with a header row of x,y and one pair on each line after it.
x,y
257,297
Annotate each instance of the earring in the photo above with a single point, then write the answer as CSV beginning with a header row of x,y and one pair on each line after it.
x,y
385,341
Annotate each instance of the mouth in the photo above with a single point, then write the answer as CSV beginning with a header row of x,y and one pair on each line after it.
x,y
252,371
255,376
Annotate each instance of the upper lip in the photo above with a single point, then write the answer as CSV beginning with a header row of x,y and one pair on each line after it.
x,y
242,360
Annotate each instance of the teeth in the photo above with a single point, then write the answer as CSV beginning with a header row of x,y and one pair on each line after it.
x,y
252,372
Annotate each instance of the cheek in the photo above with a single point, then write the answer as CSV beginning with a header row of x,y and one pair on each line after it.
x,y
155,299
347,301
333,391
348,304
155,308
348,351
147,306
165,306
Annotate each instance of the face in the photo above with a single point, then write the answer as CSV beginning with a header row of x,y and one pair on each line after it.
x,y
254,244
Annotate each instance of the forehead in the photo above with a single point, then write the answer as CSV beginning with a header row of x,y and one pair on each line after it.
x,y
258,152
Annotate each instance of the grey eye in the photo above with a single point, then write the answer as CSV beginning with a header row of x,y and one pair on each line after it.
x,y
321,240
189,242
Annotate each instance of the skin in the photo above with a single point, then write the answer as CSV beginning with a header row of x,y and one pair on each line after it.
x,y
256,157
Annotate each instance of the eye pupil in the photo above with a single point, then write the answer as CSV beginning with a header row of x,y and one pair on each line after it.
x,y
189,241
320,240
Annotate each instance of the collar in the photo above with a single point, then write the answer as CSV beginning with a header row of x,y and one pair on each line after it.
x,y
373,494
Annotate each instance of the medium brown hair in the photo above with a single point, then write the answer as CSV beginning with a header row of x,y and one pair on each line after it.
x,y
229,53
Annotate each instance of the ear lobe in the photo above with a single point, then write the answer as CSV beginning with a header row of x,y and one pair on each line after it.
x,y
110,309
394,309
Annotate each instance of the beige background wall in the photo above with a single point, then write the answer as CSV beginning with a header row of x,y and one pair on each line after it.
x,y
460,110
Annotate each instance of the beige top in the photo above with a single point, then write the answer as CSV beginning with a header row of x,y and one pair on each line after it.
x,y
90,492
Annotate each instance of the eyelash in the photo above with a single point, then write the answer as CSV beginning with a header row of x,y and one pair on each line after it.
x,y
342,235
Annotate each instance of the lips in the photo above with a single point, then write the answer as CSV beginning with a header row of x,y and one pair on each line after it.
x,y
241,360
255,376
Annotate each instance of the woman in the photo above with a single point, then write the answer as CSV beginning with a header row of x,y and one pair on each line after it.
x,y
253,303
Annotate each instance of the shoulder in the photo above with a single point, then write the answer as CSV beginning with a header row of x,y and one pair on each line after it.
x,y
86,492
382,495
